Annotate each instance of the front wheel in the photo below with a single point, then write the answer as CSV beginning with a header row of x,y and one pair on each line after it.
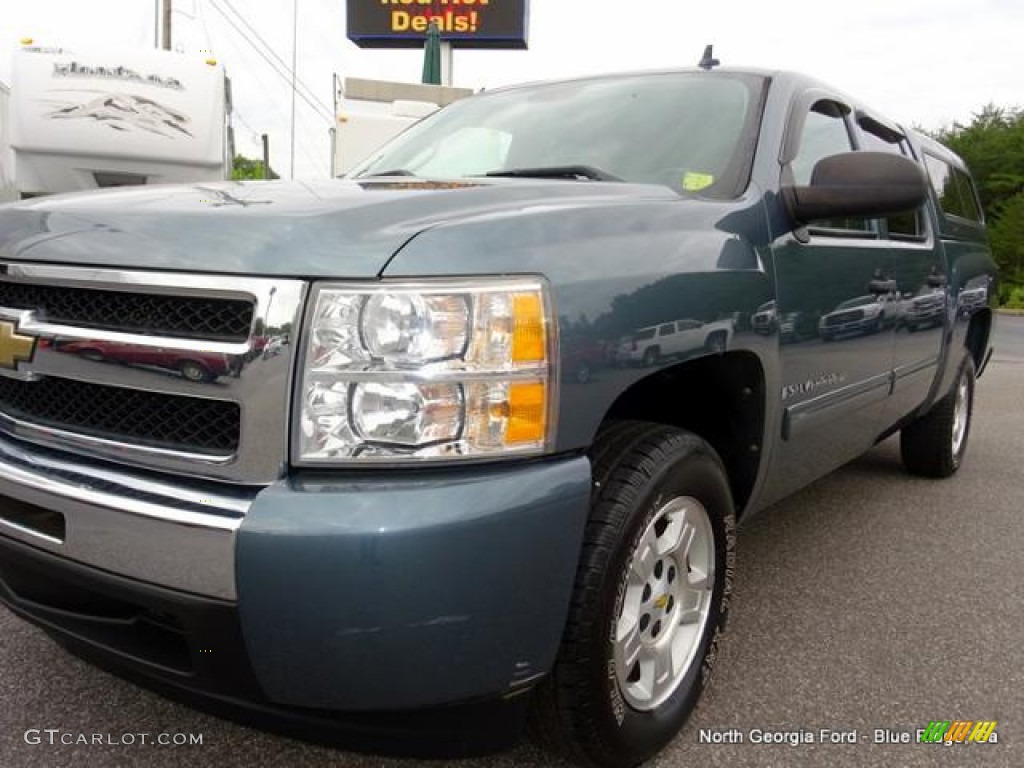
x,y
934,444
716,343
194,371
652,592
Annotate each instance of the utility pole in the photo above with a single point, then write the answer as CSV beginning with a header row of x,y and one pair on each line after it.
x,y
165,36
295,53
266,156
334,126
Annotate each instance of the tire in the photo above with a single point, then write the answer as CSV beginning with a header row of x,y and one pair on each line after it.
x,y
601,705
94,355
651,356
934,444
716,343
194,371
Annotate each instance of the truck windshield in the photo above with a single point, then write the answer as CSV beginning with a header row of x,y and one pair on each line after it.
x,y
693,132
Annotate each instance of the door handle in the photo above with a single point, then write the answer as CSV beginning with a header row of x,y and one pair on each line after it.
x,y
882,286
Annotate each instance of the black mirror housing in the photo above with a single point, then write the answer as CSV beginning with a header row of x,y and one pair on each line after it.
x,y
855,184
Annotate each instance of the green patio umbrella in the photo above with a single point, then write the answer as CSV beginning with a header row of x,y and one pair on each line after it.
x,y
432,56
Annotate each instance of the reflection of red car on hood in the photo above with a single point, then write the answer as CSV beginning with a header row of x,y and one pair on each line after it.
x,y
194,366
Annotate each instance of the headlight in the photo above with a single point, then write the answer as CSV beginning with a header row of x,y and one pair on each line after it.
x,y
426,371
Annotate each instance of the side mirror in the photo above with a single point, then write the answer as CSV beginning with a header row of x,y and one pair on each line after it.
x,y
858,184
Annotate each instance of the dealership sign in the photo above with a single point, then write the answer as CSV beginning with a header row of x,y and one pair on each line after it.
x,y
463,23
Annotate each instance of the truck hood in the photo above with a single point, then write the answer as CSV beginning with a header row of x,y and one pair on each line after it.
x,y
331,228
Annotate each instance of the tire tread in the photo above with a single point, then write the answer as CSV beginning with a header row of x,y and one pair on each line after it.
x,y
925,443
625,457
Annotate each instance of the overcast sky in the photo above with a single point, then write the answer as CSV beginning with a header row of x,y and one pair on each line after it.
x,y
925,62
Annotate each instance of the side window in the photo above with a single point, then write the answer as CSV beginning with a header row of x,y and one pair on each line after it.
x,y
666,330
824,134
954,189
908,225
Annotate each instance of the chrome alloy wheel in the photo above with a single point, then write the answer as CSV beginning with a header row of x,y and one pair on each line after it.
x,y
961,413
666,603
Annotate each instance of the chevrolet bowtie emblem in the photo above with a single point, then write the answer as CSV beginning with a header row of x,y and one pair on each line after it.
x,y
14,348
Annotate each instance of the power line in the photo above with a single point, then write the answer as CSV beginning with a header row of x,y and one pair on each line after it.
x,y
285,75
272,52
319,108
243,121
273,104
279,65
289,70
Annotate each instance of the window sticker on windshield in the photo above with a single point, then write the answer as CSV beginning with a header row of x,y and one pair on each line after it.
x,y
694,182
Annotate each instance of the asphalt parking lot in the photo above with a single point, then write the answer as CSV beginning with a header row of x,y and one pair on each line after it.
x,y
868,601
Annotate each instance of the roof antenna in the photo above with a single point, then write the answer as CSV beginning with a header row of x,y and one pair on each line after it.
x,y
708,61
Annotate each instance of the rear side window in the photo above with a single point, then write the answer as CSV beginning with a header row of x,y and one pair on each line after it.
x,y
954,189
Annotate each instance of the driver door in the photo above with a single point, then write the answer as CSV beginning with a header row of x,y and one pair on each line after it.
x,y
831,281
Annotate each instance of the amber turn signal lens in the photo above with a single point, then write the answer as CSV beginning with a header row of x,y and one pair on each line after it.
x,y
527,412
529,341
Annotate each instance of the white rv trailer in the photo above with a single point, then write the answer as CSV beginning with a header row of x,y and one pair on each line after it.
x,y
375,111
7,188
82,120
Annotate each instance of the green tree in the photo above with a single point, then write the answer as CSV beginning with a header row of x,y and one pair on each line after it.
x,y
248,168
993,148
1006,233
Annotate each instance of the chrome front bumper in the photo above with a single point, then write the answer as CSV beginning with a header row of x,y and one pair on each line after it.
x,y
175,535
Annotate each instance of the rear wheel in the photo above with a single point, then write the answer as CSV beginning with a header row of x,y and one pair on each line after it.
x,y
194,371
934,445
651,595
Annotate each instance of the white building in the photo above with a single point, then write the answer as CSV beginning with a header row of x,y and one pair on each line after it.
x,y
375,111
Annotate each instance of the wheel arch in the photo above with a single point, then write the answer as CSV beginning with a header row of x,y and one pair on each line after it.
x,y
979,334
720,398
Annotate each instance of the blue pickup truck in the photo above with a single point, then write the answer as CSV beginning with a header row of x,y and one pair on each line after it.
x,y
424,502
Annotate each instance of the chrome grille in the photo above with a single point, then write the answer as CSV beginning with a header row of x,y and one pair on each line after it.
x,y
148,314
156,420
188,374
838,318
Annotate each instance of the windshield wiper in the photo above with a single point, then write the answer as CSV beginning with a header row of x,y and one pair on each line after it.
x,y
588,172
395,172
